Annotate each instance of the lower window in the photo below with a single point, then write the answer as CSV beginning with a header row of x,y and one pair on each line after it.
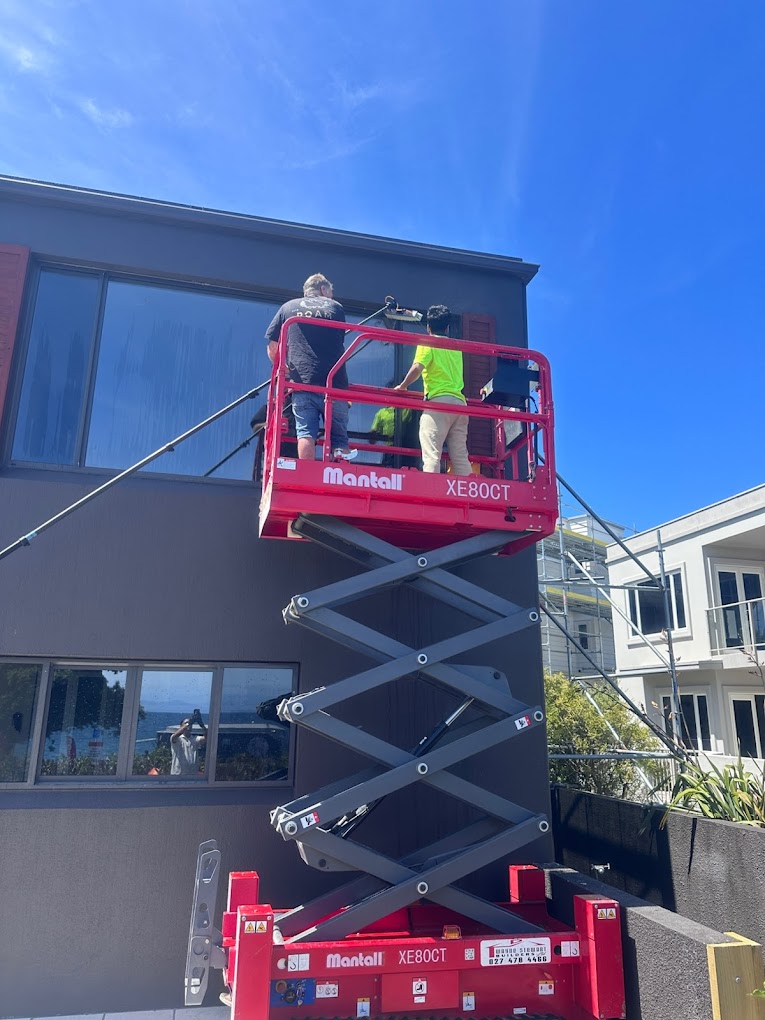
x,y
147,724
694,713
749,724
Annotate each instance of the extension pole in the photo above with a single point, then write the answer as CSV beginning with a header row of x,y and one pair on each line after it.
x,y
167,448
608,529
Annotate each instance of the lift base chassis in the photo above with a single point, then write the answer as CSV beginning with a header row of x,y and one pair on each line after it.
x,y
423,961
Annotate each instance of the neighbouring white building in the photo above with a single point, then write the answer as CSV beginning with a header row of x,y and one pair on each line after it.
x,y
715,565
576,604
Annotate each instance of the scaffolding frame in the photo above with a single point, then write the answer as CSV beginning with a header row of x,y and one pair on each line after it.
x,y
551,617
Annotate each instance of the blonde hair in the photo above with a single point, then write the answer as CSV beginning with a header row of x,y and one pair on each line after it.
x,y
314,283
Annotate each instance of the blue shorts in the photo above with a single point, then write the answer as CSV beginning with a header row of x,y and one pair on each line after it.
x,y
308,409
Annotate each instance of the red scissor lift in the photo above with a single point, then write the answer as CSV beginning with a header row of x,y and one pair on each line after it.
x,y
401,938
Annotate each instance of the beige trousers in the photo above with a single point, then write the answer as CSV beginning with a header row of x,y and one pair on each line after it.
x,y
437,428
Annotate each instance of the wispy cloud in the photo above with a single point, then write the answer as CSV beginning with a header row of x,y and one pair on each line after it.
x,y
350,97
108,118
24,57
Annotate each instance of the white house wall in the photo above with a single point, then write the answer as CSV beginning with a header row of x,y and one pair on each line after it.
x,y
730,532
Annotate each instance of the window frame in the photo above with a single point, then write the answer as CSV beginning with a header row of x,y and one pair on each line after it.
x,y
105,275
695,693
634,585
745,694
123,779
583,635
738,568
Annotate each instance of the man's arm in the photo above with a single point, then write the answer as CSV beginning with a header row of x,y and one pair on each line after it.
x,y
411,376
272,336
198,719
181,729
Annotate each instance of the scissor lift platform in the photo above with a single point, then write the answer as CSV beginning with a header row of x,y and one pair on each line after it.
x,y
513,488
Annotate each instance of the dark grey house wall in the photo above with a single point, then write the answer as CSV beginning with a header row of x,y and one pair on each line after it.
x,y
98,879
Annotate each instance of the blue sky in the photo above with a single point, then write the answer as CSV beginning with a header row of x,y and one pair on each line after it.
x,y
619,144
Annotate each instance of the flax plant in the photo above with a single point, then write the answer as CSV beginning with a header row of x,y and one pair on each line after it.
x,y
734,793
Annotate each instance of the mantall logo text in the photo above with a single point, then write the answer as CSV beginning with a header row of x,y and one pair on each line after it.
x,y
356,960
336,476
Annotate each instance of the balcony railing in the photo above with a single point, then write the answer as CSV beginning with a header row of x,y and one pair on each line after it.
x,y
740,625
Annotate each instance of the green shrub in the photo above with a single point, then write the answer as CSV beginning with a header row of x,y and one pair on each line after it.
x,y
574,726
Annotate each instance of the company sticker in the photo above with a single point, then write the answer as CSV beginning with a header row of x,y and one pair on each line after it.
x,y
327,990
468,1001
362,1007
507,952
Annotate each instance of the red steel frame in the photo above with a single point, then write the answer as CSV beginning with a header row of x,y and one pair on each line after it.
x,y
405,506
405,965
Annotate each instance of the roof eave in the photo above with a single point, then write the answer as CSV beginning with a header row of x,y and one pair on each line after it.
x,y
213,219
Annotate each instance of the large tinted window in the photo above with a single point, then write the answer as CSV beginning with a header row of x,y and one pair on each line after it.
x,y
167,359
52,394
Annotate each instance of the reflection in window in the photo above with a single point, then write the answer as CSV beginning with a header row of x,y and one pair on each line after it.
x,y
373,364
173,716
379,363
82,730
252,742
55,378
18,690
168,358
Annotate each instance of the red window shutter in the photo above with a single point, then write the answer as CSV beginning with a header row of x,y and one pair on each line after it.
x,y
479,368
13,272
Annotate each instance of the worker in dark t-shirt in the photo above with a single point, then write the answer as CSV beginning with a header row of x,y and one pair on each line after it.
x,y
311,353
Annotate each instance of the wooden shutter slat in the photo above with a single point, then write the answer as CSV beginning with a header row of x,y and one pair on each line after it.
x,y
479,368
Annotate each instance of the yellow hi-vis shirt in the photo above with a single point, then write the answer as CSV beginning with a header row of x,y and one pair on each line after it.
x,y
441,372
